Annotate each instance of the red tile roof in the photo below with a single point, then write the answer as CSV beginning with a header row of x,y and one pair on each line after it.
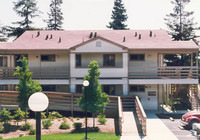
x,y
63,40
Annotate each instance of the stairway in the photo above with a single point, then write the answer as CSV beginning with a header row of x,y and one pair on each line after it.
x,y
128,103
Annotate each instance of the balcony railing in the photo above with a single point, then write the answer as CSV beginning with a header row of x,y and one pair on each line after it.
x,y
38,72
163,72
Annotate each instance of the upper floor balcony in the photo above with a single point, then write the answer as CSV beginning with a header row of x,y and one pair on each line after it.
x,y
164,72
38,72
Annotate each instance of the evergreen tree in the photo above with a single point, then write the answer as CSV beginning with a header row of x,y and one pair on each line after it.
x,y
26,86
55,16
2,35
119,16
180,22
182,27
96,100
27,9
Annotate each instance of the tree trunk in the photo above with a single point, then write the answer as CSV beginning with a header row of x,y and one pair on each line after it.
x,y
93,115
25,115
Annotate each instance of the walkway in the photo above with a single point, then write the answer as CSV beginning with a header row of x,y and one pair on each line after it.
x,y
156,129
129,128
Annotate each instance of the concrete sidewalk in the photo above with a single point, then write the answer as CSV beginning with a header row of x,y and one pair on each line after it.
x,y
156,129
129,128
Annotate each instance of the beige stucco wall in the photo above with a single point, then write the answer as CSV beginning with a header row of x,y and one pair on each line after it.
x,y
148,102
62,60
105,47
89,57
150,61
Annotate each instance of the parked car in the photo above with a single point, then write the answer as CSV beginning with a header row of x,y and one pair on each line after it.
x,y
189,118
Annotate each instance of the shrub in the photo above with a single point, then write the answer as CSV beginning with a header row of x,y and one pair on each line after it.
x,y
64,126
101,116
19,115
46,124
102,121
53,115
32,131
43,116
5,115
57,114
65,119
77,126
71,118
25,126
21,134
6,127
78,118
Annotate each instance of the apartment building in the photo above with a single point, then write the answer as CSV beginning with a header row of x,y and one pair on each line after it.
x,y
131,62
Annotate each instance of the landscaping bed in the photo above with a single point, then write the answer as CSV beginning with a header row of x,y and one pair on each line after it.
x,y
54,129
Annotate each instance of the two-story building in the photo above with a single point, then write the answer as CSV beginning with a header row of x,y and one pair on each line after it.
x,y
131,61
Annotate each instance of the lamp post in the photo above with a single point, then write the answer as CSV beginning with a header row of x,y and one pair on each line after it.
x,y
86,84
38,102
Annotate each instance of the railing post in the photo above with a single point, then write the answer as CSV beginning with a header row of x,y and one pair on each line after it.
x,y
72,105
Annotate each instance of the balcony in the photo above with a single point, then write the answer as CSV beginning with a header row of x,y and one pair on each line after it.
x,y
38,72
184,72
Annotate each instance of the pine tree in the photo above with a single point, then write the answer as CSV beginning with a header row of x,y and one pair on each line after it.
x,y
119,16
55,16
26,86
96,100
26,9
2,35
182,27
180,22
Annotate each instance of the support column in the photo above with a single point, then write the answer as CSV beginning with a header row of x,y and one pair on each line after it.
x,y
163,98
125,89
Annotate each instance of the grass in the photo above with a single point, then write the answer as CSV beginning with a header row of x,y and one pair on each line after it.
x,y
73,136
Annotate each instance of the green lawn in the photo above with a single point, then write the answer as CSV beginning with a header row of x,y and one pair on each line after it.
x,y
73,136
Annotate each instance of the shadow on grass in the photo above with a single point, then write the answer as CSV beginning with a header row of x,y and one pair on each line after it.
x,y
89,129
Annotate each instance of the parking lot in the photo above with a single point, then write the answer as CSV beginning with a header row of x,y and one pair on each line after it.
x,y
181,134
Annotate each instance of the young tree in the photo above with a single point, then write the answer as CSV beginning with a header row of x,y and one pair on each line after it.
x,y
55,16
27,9
26,86
119,16
96,100
180,22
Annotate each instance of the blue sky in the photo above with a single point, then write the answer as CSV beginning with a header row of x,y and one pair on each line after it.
x,y
95,14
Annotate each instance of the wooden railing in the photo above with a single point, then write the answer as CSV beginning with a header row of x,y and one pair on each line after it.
x,y
38,72
141,115
120,112
163,72
57,101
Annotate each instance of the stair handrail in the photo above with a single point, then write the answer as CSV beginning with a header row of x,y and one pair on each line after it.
x,y
121,117
141,115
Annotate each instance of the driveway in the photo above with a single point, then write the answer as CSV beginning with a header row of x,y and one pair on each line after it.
x,y
174,126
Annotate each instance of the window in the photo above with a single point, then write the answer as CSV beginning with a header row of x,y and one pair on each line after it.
x,y
98,44
109,89
109,60
137,88
137,57
48,58
48,87
78,60
78,88
1,62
